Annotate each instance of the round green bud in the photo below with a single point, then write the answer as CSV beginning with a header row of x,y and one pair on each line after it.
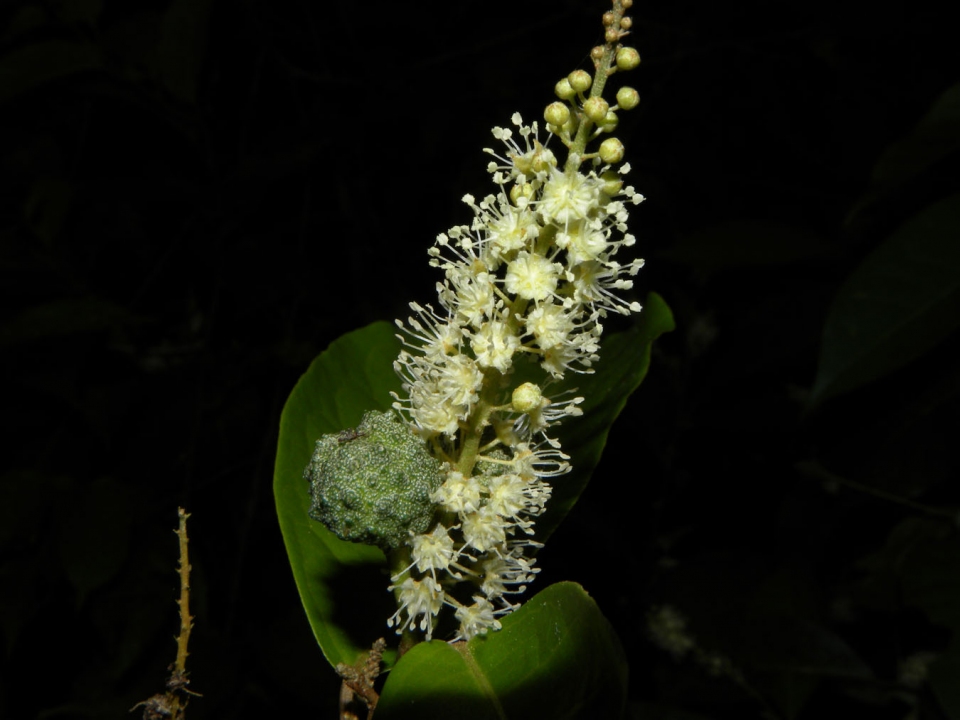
x,y
627,98
556,113
372,485
580,80
611,150
612,182
563,90
595,108
627,58
609,122
526,398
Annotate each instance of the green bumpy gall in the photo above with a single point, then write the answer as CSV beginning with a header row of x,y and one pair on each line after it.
x,y
372,485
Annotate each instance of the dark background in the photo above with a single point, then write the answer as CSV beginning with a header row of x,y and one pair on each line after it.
x,y
186,185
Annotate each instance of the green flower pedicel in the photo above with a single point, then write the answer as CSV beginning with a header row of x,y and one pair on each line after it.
x,y
453,491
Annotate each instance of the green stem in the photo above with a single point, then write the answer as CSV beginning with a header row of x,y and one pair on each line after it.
x,y
602,72
478,420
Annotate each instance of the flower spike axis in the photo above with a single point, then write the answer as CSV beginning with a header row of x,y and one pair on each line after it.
x,y
530,277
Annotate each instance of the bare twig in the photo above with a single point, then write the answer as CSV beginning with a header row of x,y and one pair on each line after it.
x,y
173,702
358,682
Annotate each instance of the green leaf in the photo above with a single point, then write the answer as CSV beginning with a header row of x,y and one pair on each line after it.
x,y
943,679
343,585
182,45
339,582
556,657
32,66
624,361
936,136
746,243
901,301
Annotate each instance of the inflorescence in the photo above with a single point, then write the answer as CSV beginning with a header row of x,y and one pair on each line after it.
x,y
532,276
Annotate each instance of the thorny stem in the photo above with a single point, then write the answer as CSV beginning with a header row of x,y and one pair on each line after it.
x,y
186,619
173,703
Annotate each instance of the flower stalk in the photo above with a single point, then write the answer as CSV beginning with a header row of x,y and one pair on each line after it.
x,y
526,283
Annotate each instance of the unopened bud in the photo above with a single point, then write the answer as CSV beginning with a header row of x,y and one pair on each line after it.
x,y
627,58
612,182
627,98
556,113
609,122
611,150
595,108
520,193
564,90
526,398
580,80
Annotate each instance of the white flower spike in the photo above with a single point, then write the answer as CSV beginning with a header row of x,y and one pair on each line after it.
x,y
528,280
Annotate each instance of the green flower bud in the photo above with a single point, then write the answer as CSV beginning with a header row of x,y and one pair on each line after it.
x,y
372,485
564,90
609,122
556,113
595,108
612,182
627,98
611,150
627,58
526,398
580,80
521,191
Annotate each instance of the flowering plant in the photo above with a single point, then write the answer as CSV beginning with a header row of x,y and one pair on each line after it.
x,y
501,401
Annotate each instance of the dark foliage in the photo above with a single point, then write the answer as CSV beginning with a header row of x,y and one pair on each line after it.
x,y
198,197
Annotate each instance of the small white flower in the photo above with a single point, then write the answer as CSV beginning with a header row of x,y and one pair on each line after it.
x,y
507,496
418,598
568,197
532,277
476,619
458,494
484,529
494,344
433,551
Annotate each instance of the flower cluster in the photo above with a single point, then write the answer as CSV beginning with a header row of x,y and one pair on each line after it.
x,y
528,281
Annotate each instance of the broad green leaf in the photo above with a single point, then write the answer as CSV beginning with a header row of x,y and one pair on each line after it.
x,y
556,657
943,679
340,583
624,361
901,301
935,136
182,45
33,66
343,585
745,243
